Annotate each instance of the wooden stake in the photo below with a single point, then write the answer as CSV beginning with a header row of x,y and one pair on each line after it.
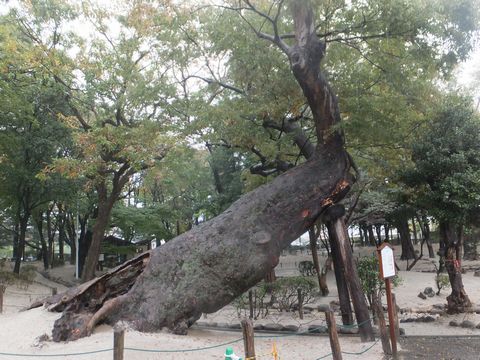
x,y
118,343
391,317
395,316
300,303
382,325
250,302
54,291
332,332
248,343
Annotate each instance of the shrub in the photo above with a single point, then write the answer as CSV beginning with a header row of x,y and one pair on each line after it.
x,y
281,294
369,274
260,304
22,280
285,295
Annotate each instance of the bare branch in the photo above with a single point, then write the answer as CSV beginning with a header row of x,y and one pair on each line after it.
x,y
214,81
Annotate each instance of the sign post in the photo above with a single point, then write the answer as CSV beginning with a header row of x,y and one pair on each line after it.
x,y
387,271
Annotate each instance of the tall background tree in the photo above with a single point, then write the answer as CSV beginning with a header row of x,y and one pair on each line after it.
x,y
447,174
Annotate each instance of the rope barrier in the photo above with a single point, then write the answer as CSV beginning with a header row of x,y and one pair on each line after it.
x,y
354,325
184,350
313,330
361,352
23,294
57,355
176,350
351,353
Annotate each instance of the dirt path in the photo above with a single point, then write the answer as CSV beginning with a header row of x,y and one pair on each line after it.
x,y
440,347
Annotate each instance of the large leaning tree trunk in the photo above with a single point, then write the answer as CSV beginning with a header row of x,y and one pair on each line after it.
x,y
206,268
457,301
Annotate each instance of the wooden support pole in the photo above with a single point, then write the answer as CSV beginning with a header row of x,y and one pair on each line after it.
x,y
54,291
248,336
118,343
300,303
250,303
2,290
391,317
395,316
332,332
355,288
382,325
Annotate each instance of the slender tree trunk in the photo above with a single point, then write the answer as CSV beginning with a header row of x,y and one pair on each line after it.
x,y
378,230
371,236
72,236
408,251
21,241
43,242
61,236
362,239
457,301
415,236
386,228
98,233
365,234
321,276
105,204
51,237
425,229
16,228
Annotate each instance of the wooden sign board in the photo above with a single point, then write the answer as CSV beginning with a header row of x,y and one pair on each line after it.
x,y
386,260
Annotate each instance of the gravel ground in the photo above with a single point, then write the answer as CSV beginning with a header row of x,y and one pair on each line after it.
x,y
440,348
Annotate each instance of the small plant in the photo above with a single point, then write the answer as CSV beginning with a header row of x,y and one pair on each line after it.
x,y
22,280
285,292
441,280
260,305
306,268
26,276
369,273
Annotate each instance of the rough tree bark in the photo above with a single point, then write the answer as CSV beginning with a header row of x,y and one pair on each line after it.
x,y
106,200
457,301
206,268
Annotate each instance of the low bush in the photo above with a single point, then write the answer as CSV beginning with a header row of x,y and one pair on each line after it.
x,y
282,294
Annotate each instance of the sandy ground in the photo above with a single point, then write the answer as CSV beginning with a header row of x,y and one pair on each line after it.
x,y
19,331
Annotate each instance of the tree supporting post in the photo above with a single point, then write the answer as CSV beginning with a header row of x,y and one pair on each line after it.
x,y
382,325
248,336
395,316
54,291
250,302
300,303
332,332
118,343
